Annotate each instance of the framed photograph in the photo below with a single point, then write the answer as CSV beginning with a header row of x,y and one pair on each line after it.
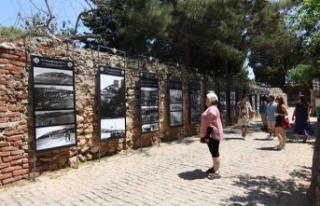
x,y
48,138
176,100
175,118
53,103
149,102
53,97
112,105
52,76
55,117
195,102
233,101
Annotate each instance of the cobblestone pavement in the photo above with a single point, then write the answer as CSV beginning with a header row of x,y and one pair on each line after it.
x,y
253,173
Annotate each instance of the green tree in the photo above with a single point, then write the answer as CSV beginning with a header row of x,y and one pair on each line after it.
x,y
307,23
211,35
274,48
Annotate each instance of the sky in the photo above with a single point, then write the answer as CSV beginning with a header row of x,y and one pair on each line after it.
x,y
61,9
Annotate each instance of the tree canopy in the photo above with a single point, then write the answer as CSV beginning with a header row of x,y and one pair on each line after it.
x,y
307,25
212,35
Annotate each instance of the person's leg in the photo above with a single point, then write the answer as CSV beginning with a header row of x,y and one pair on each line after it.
x,y
246,127
216,163
214,150
283,137
270,130
241,126
277,133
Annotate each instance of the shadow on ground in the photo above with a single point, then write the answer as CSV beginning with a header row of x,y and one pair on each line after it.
x,y
273,191
193,175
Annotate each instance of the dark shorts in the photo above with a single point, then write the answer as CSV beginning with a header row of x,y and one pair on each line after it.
x,y
213,146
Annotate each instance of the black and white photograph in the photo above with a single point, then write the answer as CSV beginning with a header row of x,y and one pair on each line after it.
x,y
194,99
53,103
223,100
112,102
233,102
149,102
150,127
55,137
50,97
150,114
56,117
175,118
149,96
112,128
176,100
52,76
112,96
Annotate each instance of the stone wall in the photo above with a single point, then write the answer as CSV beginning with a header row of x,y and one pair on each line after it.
x,y
17,156
14,147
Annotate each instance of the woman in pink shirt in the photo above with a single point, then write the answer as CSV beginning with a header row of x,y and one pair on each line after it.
x,y
211,132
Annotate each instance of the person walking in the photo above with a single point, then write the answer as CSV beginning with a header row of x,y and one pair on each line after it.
x,y
301,117
280,132
271,118
244,110
211,132
262,111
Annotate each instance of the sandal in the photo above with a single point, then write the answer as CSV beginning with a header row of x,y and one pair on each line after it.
x,y
210,170
214,175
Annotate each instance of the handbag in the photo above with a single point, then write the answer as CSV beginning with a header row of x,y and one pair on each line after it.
x,y
285,123
205,139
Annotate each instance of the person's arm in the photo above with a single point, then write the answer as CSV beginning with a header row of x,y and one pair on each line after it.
x,y
309,112
212,121
294,114
212,118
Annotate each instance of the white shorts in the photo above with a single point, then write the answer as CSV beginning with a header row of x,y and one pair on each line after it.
x,y
243,121
271,125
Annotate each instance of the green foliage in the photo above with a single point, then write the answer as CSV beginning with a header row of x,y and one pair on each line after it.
x,y
274,48
10,32
211,35
307,25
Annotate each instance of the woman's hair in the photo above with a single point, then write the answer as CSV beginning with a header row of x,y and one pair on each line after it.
x,y
280,100
212,97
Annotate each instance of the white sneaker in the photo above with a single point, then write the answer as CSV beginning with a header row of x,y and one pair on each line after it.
x,y
269,137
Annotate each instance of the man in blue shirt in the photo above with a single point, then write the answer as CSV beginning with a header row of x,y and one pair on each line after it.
x,y
271,118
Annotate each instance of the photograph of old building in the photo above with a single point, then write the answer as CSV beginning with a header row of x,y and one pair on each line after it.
x,y
112,104
149,102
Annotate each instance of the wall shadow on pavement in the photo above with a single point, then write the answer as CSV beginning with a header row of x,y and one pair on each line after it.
x,y
271,190
268,148
193,175
233,138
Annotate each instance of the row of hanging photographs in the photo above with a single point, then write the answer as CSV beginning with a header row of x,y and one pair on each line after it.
x,y
54,102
